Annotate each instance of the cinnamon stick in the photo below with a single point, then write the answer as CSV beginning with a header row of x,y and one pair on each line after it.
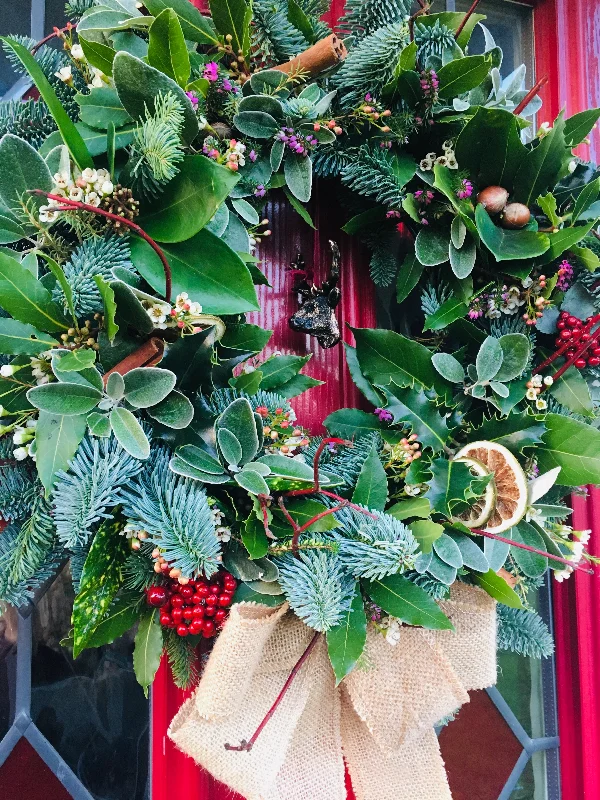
x,y
510,579
149,354
323,55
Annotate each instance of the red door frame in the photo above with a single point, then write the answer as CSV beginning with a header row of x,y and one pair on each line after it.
x,y
571,61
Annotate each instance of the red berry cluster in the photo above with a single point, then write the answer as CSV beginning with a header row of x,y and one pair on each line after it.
x,y
199,607
576,333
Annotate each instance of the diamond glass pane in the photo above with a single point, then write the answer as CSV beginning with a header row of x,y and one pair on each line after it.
x,y
24,776
520,683
91,710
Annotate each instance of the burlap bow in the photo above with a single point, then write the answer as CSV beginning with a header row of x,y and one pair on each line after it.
x,y
380,719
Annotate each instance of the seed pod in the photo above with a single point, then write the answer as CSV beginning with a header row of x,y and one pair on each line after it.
x,y
515,215
493,199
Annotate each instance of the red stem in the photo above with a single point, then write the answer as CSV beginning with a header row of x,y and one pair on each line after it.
x,y
325,513
466,18
70,26
69,205
574,565
530,95
248,745
319,453
262,499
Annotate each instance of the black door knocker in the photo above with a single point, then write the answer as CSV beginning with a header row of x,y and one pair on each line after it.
x,y
316,315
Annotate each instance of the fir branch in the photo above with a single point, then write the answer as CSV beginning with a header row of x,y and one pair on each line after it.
x,y
345,462
92,486
364,17
17,484
138,571
175,513
19,593
274,39
434,296
75,9
433,40
523,632
182,659
220,399
330,160
316,587
370,65
374,548
34,540
434,588
28,119
384,264
372,174
78,555
94,256
157,151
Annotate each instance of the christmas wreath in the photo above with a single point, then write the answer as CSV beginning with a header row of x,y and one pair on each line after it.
x,y
146,442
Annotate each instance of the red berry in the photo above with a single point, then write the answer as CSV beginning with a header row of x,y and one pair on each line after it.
x,y
230,584
209,611
177,615
585,337
198,611
596,351
202,590
580,363
208,628
156,596
224,600
570,353
177,601
188,612
182,630
186,592
196,598
195,628
228,576
593,361
565,335
561,325
577,333
564,315
214,588
221,615
165,619
212,600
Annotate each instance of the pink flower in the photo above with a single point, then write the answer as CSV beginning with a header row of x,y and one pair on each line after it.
x,y
211,71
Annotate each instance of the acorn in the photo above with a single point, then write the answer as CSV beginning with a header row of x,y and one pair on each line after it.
x,y
515,215
493,199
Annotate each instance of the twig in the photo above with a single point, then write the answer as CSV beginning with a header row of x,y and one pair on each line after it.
x,y
263,499
70,205
530,95
70,26
574,565
248,745
319,453
466,18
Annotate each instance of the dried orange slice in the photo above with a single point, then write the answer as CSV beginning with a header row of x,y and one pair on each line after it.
x,y
509,480
482,509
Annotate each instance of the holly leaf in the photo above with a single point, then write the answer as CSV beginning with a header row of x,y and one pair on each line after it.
x,y
412,407
100,581
122,615
448,487
346,642
406,601
347,423
543,165
148,649
371,487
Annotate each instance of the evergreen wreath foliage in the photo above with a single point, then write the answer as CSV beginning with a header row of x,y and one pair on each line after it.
x,y
433,40
364,17
345,462
99,255
274,39
175,513
93,484
33,542
182,658
17,485
372,174
316,587
374,548
18,593
523,632
370,65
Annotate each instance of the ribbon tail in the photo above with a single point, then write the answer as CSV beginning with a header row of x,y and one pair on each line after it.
x,y
414,772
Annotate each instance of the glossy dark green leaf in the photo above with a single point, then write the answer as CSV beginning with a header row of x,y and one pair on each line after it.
x,y
347,423
404,600
233,17
408,276
167,50
148,649
530,564
371,486
542,167
499,589
506,244
580,125
411,507
346,642
278,371
26,299
574,447
57,438
385,355
412,407
20,338
205,267
254,538
462,74
196,27
448,312
516,431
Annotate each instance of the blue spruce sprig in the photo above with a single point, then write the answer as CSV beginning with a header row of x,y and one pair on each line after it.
x,y
88,492
175,513
523,632
316,587
17,593
374,548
